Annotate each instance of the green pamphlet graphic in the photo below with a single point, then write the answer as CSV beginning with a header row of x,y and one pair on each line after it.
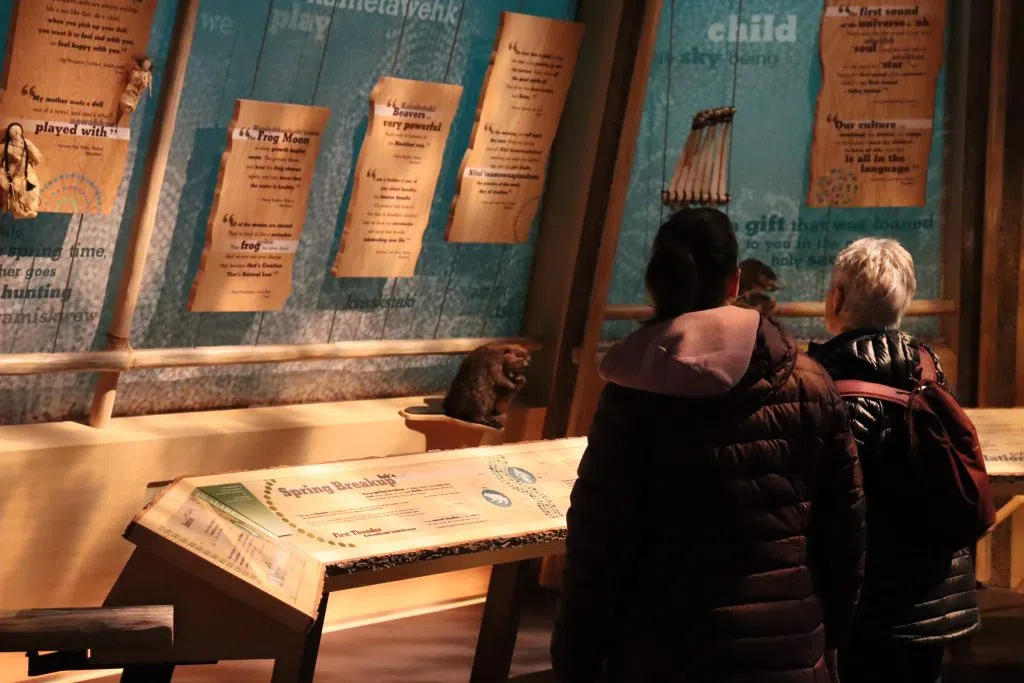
x,y
241,501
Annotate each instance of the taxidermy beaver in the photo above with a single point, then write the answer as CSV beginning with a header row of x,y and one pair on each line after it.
x,y
486,383
758,285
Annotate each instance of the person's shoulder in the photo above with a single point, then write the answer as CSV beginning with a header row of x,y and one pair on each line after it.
x,y
627,399
810,370
814,382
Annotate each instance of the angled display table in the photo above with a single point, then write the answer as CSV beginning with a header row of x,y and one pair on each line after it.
x,y
248,559
1001,431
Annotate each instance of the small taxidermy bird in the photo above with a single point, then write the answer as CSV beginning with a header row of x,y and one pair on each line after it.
x,y
758,284
487,381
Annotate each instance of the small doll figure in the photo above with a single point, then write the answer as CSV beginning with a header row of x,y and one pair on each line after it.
x,y
140,79
19,184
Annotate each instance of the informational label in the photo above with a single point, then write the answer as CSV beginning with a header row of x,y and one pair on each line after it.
x,y
353,514
197,522
395,178
259,208
68,64
277,529
1001,432
875,117
502,174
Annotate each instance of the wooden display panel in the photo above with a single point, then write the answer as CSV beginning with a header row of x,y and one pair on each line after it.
x,y
269,536
259,208
395,178
67,65
875,115
502,175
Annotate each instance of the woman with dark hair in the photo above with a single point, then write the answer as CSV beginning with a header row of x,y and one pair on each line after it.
x,y
716,531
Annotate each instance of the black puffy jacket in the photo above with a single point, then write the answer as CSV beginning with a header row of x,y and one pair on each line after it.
x,y
912,593
716,530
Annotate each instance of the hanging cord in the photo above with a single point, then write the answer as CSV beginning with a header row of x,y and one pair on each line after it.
x,y
316,89
735,83
252,91
394,67
497,272
447,71
668,115
458,245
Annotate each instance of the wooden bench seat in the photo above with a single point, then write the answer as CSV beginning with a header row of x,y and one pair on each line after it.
x,y
85,629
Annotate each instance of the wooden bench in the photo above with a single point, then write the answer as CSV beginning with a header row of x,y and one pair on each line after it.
x,y
68,635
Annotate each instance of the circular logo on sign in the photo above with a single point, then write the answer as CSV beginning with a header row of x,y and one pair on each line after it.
x,y
497,498
522,476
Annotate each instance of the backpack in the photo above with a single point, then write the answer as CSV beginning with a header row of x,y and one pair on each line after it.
x,y
950,501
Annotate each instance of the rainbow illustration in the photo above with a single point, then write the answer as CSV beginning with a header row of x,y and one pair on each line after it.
x,y
71,193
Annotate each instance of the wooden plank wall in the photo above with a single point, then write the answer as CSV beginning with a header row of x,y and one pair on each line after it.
x,y
259,49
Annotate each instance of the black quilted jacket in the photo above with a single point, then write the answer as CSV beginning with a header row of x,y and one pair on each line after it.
x,y
911,593
712,539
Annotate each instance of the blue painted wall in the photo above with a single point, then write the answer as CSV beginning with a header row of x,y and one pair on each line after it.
x,y
774,86
259,49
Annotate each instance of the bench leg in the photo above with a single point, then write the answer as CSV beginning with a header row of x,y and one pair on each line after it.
x,y
161,673
500,626
301,667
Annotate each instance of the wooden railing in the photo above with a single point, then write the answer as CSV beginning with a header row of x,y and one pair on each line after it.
x,y
788,309
1010,511
146,359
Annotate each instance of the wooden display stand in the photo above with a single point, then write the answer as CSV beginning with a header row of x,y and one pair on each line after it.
x,y
446,433
1000,555
227,608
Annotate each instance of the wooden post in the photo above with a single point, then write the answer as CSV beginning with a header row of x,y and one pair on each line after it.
x,y
969,61
599,273
579,179
499,627
145,216
300,667
1000,358
600,130
983,560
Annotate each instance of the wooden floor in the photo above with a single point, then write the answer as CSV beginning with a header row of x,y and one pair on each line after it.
x,y
438,648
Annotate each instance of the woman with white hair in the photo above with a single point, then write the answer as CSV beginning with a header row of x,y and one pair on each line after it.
x,y
918,596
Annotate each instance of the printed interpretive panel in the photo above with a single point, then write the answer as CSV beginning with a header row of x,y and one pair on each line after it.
x,y
502,176
68,64
260,207
277,529
395,179
874,124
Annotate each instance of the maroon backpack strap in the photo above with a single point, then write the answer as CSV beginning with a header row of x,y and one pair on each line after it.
x,y
929,373
856,389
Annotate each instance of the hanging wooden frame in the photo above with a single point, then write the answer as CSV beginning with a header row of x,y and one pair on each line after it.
x,y
702,174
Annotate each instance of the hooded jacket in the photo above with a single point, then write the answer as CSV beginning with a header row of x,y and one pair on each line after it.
x,y
716,530
912,592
